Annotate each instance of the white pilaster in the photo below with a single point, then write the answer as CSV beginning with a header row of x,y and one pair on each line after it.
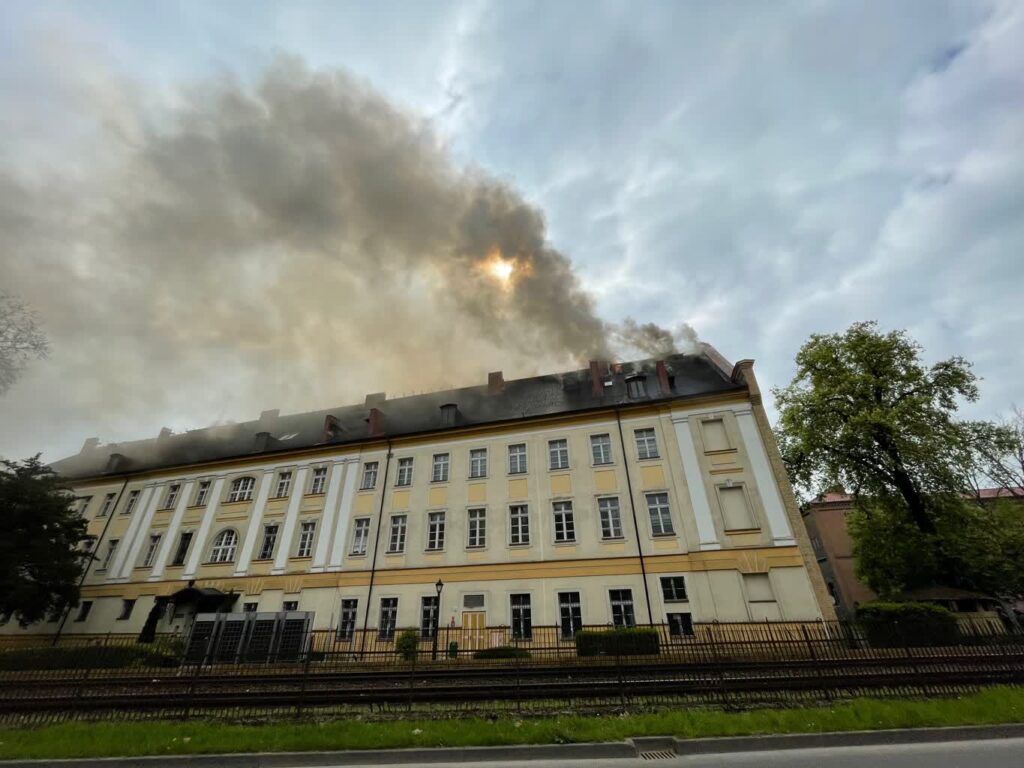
x,y
199,542
695,485
172,531
323,541
344,515
771,497
284,546
252,535
142,516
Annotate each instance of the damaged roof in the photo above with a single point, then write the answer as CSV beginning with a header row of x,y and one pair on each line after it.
x,y
600,386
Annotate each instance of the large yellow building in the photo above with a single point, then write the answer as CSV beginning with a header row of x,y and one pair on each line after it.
x,y
648,492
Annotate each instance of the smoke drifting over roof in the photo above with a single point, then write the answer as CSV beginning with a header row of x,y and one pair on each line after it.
x,y
294,242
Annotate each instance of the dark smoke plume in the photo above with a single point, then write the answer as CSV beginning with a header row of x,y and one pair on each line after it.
x,y
293,243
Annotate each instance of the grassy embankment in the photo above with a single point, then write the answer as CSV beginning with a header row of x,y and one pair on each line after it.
x,y
991,706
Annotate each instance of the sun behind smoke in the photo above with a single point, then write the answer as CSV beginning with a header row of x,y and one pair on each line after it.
x,y
505,271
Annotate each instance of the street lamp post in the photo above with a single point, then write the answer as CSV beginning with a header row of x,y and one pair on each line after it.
x,y
437,618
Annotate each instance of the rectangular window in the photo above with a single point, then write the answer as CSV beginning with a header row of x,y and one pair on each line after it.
x,y
759,588
172,495
517,459
404,472
241,489
202,493
680,624
388,617
126,610
565,525
360,535
306,535
182,551
316,486
269,542
150,556
129,506
558,454
439,474
396,541
477,528
715,436
84,504
735,510
111,548
522,618
108,504
646,444
347,620
435,530
428,617
673,589
622,608
611,520
83,610
250,607
519,524
569,614
284,485
478,462
636,387
601,448
369,476
290,605
661,516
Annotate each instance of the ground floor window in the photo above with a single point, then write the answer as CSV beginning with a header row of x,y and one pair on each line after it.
x,y
388,617
126,610
570,613
522,617
622,608
680,625
428,617
347,621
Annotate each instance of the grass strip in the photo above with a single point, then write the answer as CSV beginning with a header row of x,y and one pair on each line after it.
x,y
113,739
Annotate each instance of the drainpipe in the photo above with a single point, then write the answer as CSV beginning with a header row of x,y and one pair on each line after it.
x,y
636,525
85,571
376,541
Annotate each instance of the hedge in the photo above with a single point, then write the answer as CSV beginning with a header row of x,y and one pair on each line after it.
x,y
502,652
618,642
893,625
87,657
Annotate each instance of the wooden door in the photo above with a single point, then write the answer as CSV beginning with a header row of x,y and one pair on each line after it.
x,y
474,629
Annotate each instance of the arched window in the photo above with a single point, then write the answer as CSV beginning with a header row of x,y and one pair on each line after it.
x,y
241,489
224,547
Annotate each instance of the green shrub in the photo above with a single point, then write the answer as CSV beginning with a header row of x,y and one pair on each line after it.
x,y
453,650
86,657
502,652
407,644
892,625
618,642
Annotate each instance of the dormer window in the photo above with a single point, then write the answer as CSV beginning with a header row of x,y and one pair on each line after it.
x,y
636,386
449,413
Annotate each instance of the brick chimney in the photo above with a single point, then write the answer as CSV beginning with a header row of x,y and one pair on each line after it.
x,y
115,462
598,373
375,399
268,419
262,439
663,382
165,432
495,382
332,428
90,444
375,422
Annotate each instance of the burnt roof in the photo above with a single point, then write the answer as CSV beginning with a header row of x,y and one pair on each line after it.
x,y
691,375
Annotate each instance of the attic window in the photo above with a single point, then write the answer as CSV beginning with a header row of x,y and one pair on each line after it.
x,y
636,386
449,412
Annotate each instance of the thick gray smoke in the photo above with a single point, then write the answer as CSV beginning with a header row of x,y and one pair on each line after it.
x,y
294,243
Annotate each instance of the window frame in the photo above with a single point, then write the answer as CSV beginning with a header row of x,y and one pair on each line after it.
x,y
521,616
359,528
369,479
436,525
202,492
646,441
272,537
386,629
84,609
186,537
349,609
318,481
563,507
524,530
130,502
478,460
403,472
399,523
240,490
669,589
661,520
685,627
222,552
610,532
559,449
149,556
108,559
623,607
307,539
430,616
109,500
127,606
518,463
283,486
476,528
571,610
602,441
440,467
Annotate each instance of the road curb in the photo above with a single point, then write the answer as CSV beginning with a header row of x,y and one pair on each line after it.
x,y
631,748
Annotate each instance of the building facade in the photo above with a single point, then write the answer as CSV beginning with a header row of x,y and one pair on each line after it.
x,y
647,492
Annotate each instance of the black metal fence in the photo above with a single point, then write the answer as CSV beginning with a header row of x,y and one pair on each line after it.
x,y
464,669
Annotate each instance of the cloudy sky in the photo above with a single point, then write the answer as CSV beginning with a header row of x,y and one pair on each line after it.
x,y
217,208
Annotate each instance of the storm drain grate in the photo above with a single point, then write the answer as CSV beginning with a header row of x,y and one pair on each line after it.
x,y
662,754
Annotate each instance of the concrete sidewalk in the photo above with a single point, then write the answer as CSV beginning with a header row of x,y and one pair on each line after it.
x,y
617,750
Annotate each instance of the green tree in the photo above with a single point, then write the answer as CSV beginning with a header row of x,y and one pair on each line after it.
x,y
864,412
41,552
890,554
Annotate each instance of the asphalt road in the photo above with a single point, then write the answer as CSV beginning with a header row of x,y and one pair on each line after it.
x,y
984,753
